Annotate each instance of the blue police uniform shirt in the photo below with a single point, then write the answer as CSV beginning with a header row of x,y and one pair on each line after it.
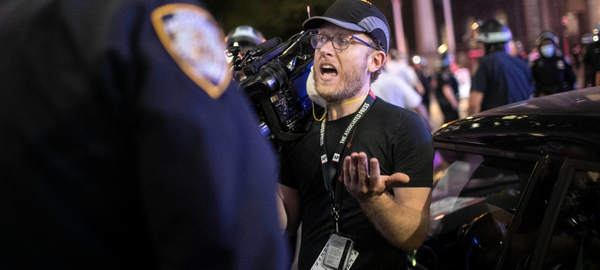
x,y
113,157
503,79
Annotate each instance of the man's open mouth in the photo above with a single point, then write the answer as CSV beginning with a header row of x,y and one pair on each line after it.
x,y
328,71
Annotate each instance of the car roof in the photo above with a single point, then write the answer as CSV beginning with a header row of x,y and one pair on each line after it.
x,y
539,125
577,102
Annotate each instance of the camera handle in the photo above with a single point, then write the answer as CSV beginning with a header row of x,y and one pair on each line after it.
x,y
276,129
280,49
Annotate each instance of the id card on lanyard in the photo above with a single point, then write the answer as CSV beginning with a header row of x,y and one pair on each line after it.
x,y
338,253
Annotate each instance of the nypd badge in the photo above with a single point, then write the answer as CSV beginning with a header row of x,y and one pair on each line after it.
x,y
560,64
191,36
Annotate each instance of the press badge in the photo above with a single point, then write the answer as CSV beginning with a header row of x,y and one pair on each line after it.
x,y
337,254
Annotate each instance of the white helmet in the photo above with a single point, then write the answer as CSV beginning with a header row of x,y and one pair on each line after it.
x,y
493,32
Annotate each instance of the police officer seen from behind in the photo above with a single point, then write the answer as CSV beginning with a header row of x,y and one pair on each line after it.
x,y
592,58
552,74
501,78
125,145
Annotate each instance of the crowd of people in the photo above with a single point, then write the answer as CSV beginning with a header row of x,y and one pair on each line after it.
x,y
126,142
504,74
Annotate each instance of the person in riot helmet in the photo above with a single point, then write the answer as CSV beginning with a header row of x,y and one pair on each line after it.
x,y
361,177
501,78
125,145
244,37
551,72
592,58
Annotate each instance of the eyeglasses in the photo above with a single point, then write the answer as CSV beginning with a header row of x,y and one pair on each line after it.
x,y
339,42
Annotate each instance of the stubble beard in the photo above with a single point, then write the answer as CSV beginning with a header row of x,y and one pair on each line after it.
x,y
347,88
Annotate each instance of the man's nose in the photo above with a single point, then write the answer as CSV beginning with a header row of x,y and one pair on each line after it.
x,y
327,48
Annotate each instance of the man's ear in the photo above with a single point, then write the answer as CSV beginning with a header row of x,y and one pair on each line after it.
x,y
377,60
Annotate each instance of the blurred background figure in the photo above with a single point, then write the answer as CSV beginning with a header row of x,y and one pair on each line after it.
x,y
398,66
245,37
592,57
446,90
501,78
425,75
551,72
585,74
463,76
516,49
125,145
396,91
532,56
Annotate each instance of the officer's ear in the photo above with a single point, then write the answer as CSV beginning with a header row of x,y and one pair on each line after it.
x,y
376,60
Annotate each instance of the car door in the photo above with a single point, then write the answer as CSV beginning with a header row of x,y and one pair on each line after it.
x,y
570,236
476,195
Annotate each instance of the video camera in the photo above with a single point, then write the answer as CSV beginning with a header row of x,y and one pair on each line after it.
x,y
276,84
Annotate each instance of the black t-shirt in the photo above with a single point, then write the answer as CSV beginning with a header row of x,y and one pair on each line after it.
x,y
503,79
398,138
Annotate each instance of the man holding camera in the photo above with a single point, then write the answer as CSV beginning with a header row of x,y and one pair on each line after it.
x,y
360,180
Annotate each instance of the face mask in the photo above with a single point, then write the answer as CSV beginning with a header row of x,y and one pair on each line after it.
x,y
547,50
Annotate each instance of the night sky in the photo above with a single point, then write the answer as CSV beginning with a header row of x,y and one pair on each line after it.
x,y
274,18
283,18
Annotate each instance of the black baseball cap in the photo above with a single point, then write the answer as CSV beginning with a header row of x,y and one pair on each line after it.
x,y
355,15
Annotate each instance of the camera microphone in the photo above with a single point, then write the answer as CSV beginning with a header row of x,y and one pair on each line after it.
x,y
267,45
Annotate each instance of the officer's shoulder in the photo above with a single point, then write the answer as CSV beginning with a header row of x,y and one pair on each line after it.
x,y
193,39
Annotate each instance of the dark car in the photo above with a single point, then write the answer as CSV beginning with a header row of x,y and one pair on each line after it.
x,y
517,187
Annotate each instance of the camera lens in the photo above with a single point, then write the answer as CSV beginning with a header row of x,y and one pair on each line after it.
x,y
268,79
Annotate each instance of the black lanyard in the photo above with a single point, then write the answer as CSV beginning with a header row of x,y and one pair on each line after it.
x,y
330,169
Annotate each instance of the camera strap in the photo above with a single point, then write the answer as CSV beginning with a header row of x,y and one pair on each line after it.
x,y
331,169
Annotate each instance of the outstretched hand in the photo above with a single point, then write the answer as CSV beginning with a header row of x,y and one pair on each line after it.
x,y
363,183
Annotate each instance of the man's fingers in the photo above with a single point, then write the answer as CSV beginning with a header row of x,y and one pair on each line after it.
x,y
346,170
395,179
374,175
362,169
352,169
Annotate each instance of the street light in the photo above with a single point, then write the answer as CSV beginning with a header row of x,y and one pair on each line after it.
x,y
442,48
416,59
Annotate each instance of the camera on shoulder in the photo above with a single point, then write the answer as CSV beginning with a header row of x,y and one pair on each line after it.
x,y
275,81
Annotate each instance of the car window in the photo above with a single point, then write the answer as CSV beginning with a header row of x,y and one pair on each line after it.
x,y
473,201
575,242
465,179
